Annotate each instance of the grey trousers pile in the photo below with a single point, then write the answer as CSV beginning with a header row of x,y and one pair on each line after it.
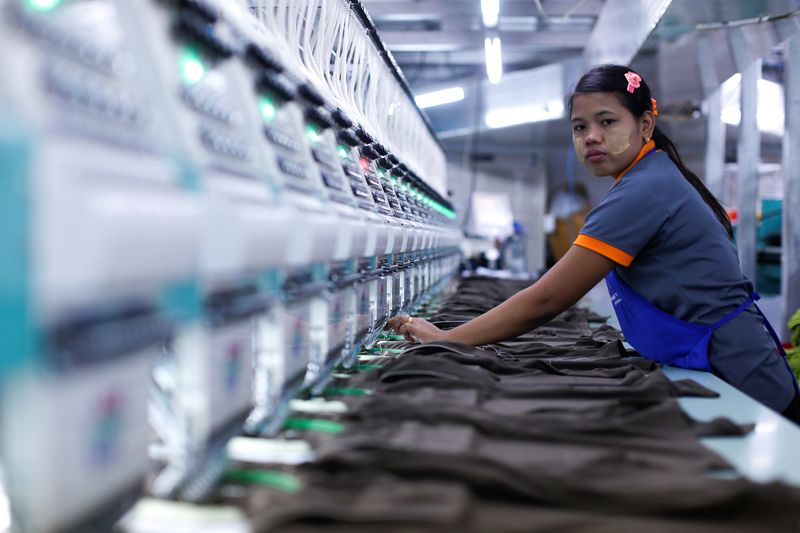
x,y
557,430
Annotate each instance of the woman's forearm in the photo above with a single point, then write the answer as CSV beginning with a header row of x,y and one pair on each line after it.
x,y
517,315
563,285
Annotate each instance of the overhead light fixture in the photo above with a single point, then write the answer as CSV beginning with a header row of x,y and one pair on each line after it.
x,y
512,116
555,108
444,96
769,113
494,59
490,9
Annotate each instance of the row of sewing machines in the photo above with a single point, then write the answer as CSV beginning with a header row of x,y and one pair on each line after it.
x,y
192,234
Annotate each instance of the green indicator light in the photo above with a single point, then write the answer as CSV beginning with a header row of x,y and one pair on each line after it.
x,y
380,172
191,66
394,181
312,134
267,109
343,153
42,5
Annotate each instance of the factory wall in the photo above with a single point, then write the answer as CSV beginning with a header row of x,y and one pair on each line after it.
x,y
527,187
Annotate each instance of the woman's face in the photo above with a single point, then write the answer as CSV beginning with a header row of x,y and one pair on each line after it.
x,y
607,137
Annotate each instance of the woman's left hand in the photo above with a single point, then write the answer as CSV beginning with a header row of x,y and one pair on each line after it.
x,y
415,329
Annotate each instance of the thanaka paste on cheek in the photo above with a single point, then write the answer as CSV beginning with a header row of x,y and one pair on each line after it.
x,y
580,149
617,140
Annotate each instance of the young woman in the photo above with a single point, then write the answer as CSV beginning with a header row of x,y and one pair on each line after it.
x,y
663,244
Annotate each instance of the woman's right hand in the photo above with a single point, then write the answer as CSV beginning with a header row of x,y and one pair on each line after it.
x,y
415,329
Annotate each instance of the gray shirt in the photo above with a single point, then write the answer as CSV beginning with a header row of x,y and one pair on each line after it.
x,y
671,249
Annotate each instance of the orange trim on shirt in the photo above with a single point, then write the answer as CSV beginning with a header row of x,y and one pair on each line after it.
x,y
604,249
649,145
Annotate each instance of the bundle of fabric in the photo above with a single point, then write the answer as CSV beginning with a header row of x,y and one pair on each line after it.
x,y
560,429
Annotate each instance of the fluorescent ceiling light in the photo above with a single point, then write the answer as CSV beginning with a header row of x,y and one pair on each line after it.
x,y
770,116
490,9
494,59
511,116
444,96
555,108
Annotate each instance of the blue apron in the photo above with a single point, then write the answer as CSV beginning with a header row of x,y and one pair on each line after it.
x,y
662,337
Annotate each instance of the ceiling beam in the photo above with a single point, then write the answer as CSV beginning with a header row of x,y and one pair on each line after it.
x,y
466,8
432,41
411,61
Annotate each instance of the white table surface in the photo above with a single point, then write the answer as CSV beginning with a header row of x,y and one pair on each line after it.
x,y
770,452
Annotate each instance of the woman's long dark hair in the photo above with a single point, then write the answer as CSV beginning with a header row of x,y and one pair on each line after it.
x,y
611,79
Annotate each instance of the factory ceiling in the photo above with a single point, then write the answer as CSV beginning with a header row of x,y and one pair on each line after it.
x,y
437,40
440,43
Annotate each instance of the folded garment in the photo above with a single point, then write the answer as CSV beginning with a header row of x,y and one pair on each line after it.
x,y
554,473
559,429
368,501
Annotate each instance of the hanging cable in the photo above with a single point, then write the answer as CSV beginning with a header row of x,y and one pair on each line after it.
x,y
574,8
472,147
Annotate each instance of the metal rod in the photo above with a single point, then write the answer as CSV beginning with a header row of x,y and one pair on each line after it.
x,y
715,128
790,253
725,24
748,154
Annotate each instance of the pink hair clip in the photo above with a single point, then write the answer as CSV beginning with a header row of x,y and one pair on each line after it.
x,y
633,81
